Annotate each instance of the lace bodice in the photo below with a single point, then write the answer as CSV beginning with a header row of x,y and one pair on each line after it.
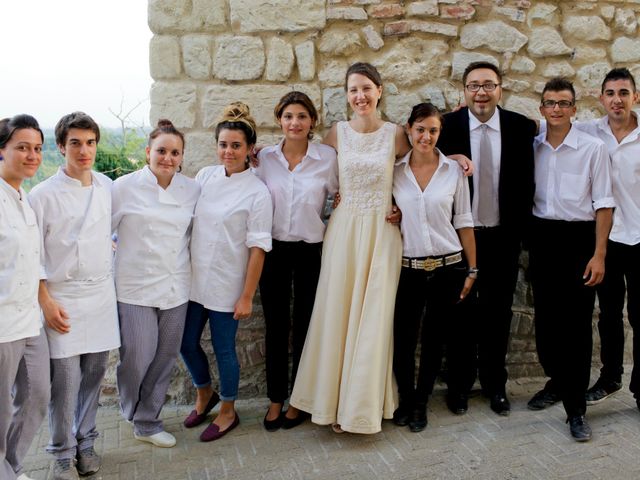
x,y
366,167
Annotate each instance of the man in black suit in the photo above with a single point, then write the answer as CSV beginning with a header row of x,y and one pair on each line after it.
x,y
500,143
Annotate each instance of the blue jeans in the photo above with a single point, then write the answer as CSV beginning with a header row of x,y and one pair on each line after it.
x,y
223,337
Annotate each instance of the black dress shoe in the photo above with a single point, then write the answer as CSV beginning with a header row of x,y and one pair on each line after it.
x,y
500,404
543,399
418,421
580,429
402,415
288,423
273,425
457,403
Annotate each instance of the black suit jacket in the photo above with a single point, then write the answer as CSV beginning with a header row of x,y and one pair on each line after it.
x,y
516,187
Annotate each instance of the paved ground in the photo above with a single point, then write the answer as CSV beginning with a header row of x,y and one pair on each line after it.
x,y
478,445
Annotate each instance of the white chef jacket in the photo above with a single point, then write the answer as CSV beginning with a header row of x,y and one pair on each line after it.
x,y
625,178
572,180
431,217
75,223
152,264
232,215
19,266
475,134
299,196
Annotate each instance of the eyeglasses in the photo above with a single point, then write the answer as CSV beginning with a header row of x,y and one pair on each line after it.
x,y
560,103
487,87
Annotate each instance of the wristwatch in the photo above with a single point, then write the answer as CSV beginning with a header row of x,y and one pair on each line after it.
x,y
472,272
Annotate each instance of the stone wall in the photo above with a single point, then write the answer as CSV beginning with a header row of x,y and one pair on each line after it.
x,y
207,53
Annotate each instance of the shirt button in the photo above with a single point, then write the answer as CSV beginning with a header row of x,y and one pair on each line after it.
x,y
82,264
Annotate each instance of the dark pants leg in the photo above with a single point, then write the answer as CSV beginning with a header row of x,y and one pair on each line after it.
x,y
296,263
563,306
498,250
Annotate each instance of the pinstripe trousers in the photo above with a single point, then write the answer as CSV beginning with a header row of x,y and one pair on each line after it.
x,y
150,342
75,390
24,394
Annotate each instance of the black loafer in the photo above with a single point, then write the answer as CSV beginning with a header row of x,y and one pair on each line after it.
x,y
418,421
402,415
458,403
580,429
273,425
500,404
288,423
543,399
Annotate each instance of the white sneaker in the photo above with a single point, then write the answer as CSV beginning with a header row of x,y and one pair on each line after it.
x,y
24,477
160,439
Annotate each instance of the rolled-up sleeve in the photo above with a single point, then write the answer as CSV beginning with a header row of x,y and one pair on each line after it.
x,y
601,189
462,217
259,222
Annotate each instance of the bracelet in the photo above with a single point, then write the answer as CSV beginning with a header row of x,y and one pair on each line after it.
x,y
472,272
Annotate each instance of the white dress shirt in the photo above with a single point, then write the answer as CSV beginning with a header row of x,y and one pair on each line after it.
x,y
299,196
475,133
233,214
152,265
431,217
625,178
572,180
75,222
19,266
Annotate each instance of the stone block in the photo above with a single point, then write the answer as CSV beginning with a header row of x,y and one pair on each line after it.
x,y
260,98
495,35
458,12
346,13
438,28
546,42
462,59
625,21
199,151
427,8
176,101
339,41
525,105
334,105
625,49
515,85
584,53
607,12
585,28
196,56
397,108
176,16
279,60
277,15
387,10
591,76
397,28
164,57
558,69
434,94
372,37
543,13
521,64
514,14
332,72
239,58
306,59
412,61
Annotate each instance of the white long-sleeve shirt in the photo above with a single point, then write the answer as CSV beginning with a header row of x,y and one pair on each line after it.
x,y
152,264
233,214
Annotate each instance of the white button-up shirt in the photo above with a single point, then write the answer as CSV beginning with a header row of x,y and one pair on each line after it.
x,y
299,196
19,266
152,265
233,214
572,180
475,134
75,223
431,217
625,178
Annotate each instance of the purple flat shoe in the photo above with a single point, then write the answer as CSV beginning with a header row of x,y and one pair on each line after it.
x,y
212,432
194,419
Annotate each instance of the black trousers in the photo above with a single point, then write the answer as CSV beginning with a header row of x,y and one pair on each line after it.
x,y
431,299
498,252
622,263
289,268
563,306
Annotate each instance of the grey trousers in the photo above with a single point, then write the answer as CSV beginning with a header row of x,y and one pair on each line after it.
x,y
75,390
150,342
24,394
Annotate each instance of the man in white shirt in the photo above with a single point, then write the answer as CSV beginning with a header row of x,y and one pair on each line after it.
x,y
620,132
572,216
73,210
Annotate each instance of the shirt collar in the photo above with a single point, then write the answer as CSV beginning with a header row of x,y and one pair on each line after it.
x,y
571,140
443,161
62,176
603,124
18,195
313,151
493,122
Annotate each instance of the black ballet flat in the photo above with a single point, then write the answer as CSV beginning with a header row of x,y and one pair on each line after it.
x,y
273,425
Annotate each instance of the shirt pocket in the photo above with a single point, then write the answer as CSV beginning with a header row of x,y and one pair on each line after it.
x,y
573,188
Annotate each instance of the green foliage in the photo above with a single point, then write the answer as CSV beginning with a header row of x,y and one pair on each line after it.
x,y
120,152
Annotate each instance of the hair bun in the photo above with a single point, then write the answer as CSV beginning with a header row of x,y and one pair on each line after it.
x,y
236,112
164,123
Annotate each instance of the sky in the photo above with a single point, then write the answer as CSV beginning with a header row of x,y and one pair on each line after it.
x,y
60,56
